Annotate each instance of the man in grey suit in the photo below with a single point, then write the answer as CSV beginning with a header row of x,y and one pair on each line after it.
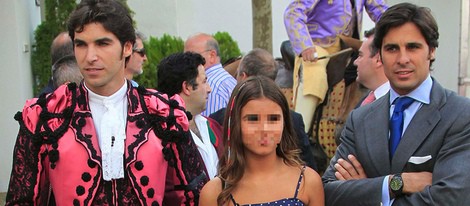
x,y
428,166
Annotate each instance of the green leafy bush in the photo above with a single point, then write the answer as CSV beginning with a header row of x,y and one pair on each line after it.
x,y
157,49
228,47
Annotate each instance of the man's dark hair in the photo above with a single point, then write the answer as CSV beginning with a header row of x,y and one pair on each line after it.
x,y
177,68
66,70
373,50
258,62
403,13
111,14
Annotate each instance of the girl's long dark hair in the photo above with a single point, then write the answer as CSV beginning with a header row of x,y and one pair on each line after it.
x,y
232,163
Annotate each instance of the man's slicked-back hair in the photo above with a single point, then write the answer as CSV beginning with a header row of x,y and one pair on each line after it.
x,y
258,62
114,17
177,68
403,13
372,49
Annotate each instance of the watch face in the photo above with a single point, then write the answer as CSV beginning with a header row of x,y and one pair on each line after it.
x,y
396,184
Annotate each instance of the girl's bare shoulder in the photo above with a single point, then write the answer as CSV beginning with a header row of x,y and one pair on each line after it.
x,y
312,177
210,192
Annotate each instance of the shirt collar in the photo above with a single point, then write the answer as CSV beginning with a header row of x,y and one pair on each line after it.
x,y
382,90
422,93
214,67
112,99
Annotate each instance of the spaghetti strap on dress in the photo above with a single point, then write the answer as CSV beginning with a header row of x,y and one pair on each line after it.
x,y
286,201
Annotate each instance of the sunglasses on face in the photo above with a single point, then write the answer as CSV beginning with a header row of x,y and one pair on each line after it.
x,y
141,52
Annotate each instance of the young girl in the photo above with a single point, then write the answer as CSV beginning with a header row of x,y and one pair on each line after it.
x,y
261,164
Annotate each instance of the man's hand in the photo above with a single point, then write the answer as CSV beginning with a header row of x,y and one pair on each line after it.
x,y
349,171
310,54
415,181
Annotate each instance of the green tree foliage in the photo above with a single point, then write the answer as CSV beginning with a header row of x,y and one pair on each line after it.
x,y
55,22
228,47
157,49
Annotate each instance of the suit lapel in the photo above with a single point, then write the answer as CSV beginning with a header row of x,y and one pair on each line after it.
x,y
418,130
420,127
376,137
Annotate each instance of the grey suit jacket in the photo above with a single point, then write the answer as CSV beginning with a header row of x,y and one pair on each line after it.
x,y
440,129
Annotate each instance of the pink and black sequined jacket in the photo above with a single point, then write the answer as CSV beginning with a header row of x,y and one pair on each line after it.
x,y
57,158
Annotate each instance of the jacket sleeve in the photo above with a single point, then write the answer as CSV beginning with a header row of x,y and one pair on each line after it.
x,y
375,9
351,192
28,183
29,180
295,21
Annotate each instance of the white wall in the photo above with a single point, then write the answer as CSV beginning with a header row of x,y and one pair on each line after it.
x,y
154,18
183,18
465,46
15,81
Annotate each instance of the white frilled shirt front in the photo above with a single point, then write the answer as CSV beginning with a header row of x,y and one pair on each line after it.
x,y
109,116
205,147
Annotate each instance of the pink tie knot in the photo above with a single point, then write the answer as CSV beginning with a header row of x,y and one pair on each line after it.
x,y
369,99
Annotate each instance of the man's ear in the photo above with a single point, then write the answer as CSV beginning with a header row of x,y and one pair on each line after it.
x,y
376,58
213,56
432,54
186,88
127,50
241,76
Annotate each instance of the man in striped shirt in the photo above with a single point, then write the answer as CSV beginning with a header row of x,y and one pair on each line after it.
x,y
221,82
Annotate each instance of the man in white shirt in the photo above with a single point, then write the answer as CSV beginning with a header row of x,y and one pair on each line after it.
x,y
184,74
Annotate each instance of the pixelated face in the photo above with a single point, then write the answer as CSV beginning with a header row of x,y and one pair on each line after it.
x,y
137,59
366,65
101,57
262,124
406,57
198,96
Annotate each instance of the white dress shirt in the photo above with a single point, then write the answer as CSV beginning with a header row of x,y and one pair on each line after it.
x,y
205,146
109,116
